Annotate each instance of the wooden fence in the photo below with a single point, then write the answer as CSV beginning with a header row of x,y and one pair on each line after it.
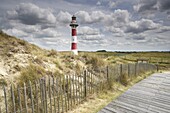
x,y
63,93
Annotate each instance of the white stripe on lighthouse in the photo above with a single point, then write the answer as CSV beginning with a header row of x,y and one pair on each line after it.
x,y
74,39
75,51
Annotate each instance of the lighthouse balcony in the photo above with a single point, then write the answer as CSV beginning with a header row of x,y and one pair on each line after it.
x,y
73,24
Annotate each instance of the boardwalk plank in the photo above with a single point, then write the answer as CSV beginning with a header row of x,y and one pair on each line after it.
x,y
151,95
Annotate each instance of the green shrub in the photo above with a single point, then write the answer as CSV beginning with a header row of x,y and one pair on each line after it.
x,y
31,73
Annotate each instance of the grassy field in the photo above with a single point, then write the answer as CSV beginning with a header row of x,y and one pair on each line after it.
x,y
159,58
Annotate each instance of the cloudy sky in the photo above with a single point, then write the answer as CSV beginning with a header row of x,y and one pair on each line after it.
x,y
114,25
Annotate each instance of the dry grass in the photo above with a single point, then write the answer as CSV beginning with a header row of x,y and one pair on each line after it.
x,y
97,101
15,45
3,82
31,73
124,79
95,61
160,58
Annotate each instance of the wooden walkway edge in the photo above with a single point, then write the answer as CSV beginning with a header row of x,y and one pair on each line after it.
x,y
151,95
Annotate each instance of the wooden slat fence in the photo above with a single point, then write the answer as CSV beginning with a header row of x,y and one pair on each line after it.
x,y
63,93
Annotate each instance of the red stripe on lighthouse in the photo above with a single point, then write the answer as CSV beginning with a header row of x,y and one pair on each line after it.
x,y
74,32
74,46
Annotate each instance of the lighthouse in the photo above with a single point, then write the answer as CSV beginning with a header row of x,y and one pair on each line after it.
x,y
74,25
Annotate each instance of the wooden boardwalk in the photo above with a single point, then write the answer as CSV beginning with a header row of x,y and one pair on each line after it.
x,y
151,95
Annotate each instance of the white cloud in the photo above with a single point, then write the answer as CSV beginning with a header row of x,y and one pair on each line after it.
x,y
88,31
148,6
89,18
98,3
88,34
168,17
91,37
112,4
114,29
84,17
121,15
15,32
117,18
141,26
97,16
63,17
30,14
119,22
49,32
163,29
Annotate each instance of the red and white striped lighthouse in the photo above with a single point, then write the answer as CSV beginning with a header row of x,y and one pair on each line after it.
x,y
73,25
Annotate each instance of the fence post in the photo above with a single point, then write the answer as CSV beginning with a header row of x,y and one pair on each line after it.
x,y
13,98
67,90
128,70
71,100
6,102
93,86
19,99
25,98
45,94
54,94
41,95
64,91
0,110
58,94
79,90
120,72
91,83
73,92
85,84
49,85
81,80
135,69
76,84
108,78
107,72
88,79
157,67
36,96
32,102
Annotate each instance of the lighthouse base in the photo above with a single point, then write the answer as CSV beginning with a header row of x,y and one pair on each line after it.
x,y
75,52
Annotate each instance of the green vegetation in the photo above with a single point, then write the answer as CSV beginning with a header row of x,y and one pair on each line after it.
x,y
162,59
